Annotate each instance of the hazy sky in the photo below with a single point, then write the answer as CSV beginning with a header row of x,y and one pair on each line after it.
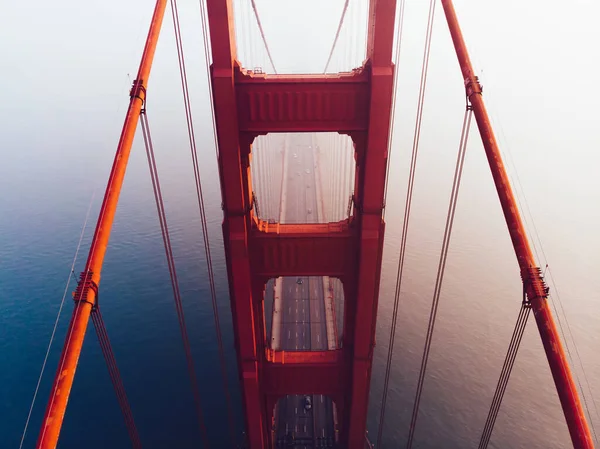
x,y
65,64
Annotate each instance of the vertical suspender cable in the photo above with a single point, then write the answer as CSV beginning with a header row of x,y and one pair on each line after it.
x,y
395,91
211,277
407,209
249,41
441,268
257,187
173,275
337,35
340,171
262,34
115,376
260,193
338,164
509,362
267,193
333,177
271,184
341,178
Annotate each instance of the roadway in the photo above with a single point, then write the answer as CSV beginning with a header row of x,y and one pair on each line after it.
x,y
303,325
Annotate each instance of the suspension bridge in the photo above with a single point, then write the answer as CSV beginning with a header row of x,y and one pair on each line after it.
x,y
303,163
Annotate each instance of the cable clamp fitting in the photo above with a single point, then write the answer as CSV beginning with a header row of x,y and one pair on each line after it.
x,y
84,285
533,280
138,91
473,86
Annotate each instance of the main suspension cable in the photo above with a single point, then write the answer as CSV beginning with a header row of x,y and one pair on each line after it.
x,y
337,34
201,207
407,210
62,302
173,273
509,362
441,269
115,376
526,210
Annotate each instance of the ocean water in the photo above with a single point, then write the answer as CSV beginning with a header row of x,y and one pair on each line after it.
x,y
56,150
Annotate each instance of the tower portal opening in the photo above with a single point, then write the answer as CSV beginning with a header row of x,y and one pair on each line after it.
x,y
304,313
302,177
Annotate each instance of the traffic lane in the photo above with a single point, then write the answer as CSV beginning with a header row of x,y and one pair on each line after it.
x,y
322,406
291,293
300,336
317,310
298,419
305,298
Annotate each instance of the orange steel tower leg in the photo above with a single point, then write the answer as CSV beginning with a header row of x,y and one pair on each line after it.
x,y
86,299
532,280
371,170
234,174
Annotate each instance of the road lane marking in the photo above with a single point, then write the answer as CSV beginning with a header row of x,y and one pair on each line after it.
x,y
289,334
318,338
296,410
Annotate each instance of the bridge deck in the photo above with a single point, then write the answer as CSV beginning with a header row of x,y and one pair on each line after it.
x,y
303,310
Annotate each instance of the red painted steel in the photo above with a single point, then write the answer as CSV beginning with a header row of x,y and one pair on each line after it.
x,y
291,103
246,105
234,173
533,283
371,162
303,250
65,374
281,379
303,357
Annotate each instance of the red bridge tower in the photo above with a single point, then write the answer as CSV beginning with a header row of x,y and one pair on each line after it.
x,y
248,105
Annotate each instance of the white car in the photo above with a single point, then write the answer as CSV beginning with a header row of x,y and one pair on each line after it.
x,y
307,403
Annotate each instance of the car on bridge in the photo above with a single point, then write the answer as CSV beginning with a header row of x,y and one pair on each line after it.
x,y
307,403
